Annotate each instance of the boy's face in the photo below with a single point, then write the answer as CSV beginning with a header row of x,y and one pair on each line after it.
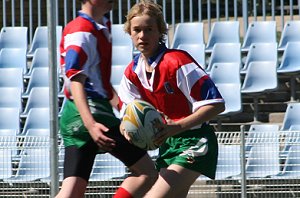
x,y
145,34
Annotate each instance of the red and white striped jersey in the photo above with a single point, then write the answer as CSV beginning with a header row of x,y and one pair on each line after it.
x,y
86,48
177,87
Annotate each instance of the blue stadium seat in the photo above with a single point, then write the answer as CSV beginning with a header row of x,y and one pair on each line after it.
x,y
291,116
263,161
40,59
188,33
290,33
225,53
106,167
225,72
260,52
12,77
291,137
223,32
119,37
197,51
117,72
9,119
290,62
38,78
40,39
34,164
13,58
261,77
38,98
6,168
261,134
9,129
14,37
37,118
11,97
259,32
290,65
226,76
229,162
121,55
291,169
231,92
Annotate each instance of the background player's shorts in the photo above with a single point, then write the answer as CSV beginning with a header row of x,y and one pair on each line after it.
x,y
194,149
80,149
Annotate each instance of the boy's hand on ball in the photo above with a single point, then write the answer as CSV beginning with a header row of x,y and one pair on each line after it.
x,y
124,132
167,130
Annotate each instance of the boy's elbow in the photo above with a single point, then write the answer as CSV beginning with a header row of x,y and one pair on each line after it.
x,y
221,107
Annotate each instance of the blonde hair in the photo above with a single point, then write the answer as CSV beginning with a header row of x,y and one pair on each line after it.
x,y
147,7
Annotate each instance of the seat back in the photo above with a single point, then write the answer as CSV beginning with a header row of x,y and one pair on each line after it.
x,y
229,163
40,38
261,52
260,77
290,62
38,98
119,37
121,55
197,51
12,77
13,58
14,37
291,116
231,93
263,161
225,73
290,33
225,53
223,32
34,164
188,33
106,167
38,78
9,118
37,118
261,134
6,168
259,32
11,97
291,137
117,72
292,164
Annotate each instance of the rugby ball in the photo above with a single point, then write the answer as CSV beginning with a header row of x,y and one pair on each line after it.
x,y
141,122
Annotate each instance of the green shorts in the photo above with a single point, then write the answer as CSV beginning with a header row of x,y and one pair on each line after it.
x,y
196,150
72,128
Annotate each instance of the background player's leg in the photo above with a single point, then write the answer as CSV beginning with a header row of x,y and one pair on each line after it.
x,y
142,178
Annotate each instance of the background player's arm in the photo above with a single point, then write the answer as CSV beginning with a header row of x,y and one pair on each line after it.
x,y
95,129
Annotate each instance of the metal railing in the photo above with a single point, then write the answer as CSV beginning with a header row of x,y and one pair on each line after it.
x,y
32,13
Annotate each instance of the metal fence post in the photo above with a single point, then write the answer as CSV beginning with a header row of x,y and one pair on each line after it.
x,y
243,164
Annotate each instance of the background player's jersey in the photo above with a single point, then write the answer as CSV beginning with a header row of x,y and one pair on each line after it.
x,y
86,48
178,85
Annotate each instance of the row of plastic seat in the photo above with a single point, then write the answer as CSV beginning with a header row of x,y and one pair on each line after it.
x,y
33,164
265,157
185,33
17,37
36,131
262,156
229,32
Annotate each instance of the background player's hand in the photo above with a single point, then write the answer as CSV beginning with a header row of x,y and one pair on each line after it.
x,y
97,131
